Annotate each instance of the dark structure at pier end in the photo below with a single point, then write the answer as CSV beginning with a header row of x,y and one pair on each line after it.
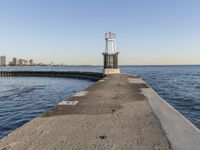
x,y
110,55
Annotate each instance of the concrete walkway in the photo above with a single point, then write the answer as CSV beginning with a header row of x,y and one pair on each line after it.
x,y
112,114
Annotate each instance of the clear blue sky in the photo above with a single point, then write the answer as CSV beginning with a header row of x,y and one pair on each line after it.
x,y
72,31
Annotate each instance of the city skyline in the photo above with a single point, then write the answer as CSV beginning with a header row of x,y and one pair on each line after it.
x,y
72,32
16,62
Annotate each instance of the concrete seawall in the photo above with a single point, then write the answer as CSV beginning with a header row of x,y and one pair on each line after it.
x,y
94,76
118,112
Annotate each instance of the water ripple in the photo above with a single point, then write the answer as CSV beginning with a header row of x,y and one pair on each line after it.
x,y
22,99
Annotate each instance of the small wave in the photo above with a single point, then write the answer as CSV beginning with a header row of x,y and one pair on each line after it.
x,y
11,90
9,94
198,86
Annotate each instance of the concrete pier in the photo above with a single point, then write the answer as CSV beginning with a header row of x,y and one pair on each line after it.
x,y
117,112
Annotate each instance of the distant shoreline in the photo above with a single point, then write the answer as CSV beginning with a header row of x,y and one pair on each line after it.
x,y
99,65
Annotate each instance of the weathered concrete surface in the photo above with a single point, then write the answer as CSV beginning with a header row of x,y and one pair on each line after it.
x,y
111,114
182,134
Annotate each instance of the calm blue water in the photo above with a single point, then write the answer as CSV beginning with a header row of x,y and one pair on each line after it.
x,y
22,99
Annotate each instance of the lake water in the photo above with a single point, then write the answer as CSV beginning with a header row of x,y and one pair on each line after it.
x,y
23,98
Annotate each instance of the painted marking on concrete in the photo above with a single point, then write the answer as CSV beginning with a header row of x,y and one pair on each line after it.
x,y
111,71
136,80
101,80
181,133
81,93
68,103
106,78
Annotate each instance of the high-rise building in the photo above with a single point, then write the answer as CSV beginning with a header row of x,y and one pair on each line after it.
x,y
30,62
2,60
14,61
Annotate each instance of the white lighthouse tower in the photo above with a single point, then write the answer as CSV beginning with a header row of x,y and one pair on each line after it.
x,y
110,55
